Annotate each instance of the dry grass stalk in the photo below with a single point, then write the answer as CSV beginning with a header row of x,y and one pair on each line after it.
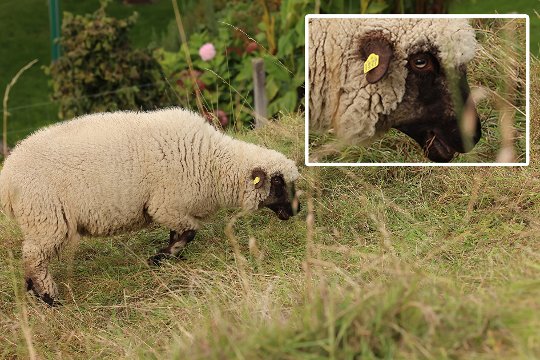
x,y
473,200
23,310
183,36
5,103
507,152
240,259
310,225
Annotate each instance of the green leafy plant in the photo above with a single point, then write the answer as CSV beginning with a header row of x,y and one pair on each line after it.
x,y
285,84
100,71
270,29
225,81
383,6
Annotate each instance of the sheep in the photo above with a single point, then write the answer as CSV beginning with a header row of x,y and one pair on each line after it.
x,y
108,173
417,85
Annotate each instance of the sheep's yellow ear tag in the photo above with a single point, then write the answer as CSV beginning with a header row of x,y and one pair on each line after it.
x,y
371,63
256,180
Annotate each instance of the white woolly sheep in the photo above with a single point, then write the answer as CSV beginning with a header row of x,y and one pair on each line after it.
x,y
418,87
107,173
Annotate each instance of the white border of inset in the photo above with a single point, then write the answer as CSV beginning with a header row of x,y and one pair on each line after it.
x,y
418,16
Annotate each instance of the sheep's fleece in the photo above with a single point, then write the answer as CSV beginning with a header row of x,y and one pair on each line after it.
x,y
107,173
359,108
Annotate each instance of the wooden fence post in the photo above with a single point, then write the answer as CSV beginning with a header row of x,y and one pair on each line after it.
x,y
259,92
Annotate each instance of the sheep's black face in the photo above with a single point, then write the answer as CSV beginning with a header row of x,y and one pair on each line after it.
x,y
437,111
282,198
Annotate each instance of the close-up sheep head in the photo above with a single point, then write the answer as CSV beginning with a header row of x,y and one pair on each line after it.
x,y
370,75
436,110
281,197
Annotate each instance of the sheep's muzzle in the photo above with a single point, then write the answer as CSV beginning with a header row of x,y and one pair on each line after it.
x,y
441,139
285,210
282,199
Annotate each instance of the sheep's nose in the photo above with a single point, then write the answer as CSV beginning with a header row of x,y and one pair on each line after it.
x,y
478,133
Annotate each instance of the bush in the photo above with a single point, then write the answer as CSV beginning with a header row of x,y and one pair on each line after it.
x,y
99,70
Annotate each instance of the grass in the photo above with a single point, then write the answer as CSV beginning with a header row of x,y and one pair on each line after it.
x,y
382,263
529,7
500,58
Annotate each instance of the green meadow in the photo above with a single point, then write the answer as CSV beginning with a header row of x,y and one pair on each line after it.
x,y
381,263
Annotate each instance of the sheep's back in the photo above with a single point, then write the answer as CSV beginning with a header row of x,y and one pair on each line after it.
x,y
104,167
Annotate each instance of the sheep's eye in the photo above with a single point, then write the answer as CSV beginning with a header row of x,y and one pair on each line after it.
x,y
277,180
421,62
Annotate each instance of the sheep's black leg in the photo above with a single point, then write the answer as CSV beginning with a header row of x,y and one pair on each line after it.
x,y
176,243
38,278
46,298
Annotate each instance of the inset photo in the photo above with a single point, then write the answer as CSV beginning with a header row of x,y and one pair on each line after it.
x,y
417,90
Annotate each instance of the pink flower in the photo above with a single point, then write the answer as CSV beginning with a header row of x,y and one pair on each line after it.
x,y
207,51
251,47
222,117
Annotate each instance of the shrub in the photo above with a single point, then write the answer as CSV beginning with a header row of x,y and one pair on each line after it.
x,y
100,71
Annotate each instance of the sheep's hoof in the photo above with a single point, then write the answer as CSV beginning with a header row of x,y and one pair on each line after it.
x,y
46,298
49,300
158,259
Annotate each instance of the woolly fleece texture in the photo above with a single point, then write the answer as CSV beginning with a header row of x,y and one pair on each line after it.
x,y
111,172
339,95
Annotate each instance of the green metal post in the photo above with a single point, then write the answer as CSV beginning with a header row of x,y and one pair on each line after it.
x,y
54,18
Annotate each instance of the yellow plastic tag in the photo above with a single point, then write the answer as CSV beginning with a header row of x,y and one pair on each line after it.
x,y
371,63
256,180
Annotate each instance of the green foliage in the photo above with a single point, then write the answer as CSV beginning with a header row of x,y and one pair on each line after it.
x,y
384,6
169,39
99,70
286,69
271,30
222,81
273,33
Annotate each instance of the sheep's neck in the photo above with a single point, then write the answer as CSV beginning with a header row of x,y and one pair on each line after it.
x,y
228,188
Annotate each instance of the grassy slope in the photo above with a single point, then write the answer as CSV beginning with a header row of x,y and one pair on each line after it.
x,y
394,263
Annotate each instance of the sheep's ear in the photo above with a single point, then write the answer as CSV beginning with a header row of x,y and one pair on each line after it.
x,y
258,177
376,52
